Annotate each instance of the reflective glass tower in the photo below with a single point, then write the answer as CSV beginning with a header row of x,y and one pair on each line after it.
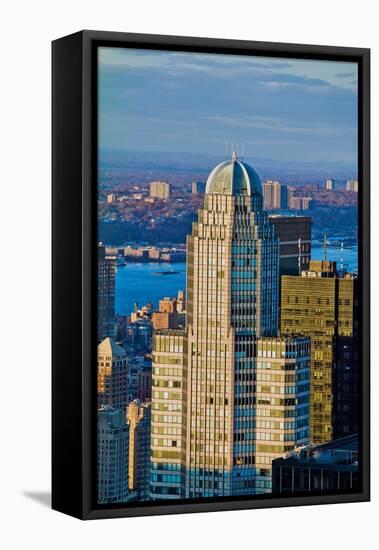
x,y
232,313
232,299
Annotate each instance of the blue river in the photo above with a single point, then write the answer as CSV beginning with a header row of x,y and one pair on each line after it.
x,y
140,282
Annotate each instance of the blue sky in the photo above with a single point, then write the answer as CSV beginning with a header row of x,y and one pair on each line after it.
x,y
280,109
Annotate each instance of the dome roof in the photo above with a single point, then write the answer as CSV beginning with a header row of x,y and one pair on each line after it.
x,y
233,177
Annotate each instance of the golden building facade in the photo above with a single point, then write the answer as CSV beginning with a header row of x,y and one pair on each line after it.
x,y
168,418
139,421
281,407
112,375
322,305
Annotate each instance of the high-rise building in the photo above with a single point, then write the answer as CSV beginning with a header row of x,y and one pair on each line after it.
x,y
139,420
198,187
330,184
306,203
205,377
300,203
294,234
346,364
112,456
106,274
112,375
281,411
168,420
160,189
323,305
275,195
111,197
290,194
352,185
329,467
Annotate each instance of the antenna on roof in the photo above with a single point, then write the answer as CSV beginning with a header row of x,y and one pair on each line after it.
x,y
341,264
325,247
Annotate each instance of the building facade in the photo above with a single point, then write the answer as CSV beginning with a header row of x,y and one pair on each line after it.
x,y
106,274
139,420
232,305
281,407
323,305
295,242
300,203
275,195
168,418
198,187
332,466
167,316
112,456
330,184
159,189
112,375
111,197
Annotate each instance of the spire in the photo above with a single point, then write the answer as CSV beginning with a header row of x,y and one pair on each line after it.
x,y
234,155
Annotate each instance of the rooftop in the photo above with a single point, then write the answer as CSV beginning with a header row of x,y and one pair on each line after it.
x,y
109,347
233,177
342,451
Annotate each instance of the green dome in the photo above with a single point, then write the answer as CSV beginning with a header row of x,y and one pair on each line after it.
x,y
233,177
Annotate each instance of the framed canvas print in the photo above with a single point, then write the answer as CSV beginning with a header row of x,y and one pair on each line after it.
x,y
210,275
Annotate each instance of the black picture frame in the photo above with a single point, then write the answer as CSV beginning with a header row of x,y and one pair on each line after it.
x,y
74,175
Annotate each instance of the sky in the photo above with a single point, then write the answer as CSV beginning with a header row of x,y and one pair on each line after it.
x,y
273,108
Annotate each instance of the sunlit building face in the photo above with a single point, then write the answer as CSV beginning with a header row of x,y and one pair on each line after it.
x,y
232,307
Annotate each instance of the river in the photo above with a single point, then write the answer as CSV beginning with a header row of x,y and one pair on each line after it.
x,y
139,282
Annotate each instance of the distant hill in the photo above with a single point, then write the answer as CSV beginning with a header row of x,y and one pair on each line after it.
x,y
110,159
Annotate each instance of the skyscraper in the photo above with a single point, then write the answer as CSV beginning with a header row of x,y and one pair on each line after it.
x,y
323,305
139,419
232,308
275,195
112,375
106,272
112,456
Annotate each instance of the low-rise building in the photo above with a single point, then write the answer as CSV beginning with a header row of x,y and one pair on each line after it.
x,y
332,466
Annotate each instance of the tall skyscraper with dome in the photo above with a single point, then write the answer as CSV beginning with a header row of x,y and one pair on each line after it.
x,y
229,394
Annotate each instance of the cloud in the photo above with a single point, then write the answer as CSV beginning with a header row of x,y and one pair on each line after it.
x,y
296,107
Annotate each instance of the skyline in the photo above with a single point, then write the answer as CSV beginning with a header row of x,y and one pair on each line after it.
x,y
255,356
282,109
230,382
